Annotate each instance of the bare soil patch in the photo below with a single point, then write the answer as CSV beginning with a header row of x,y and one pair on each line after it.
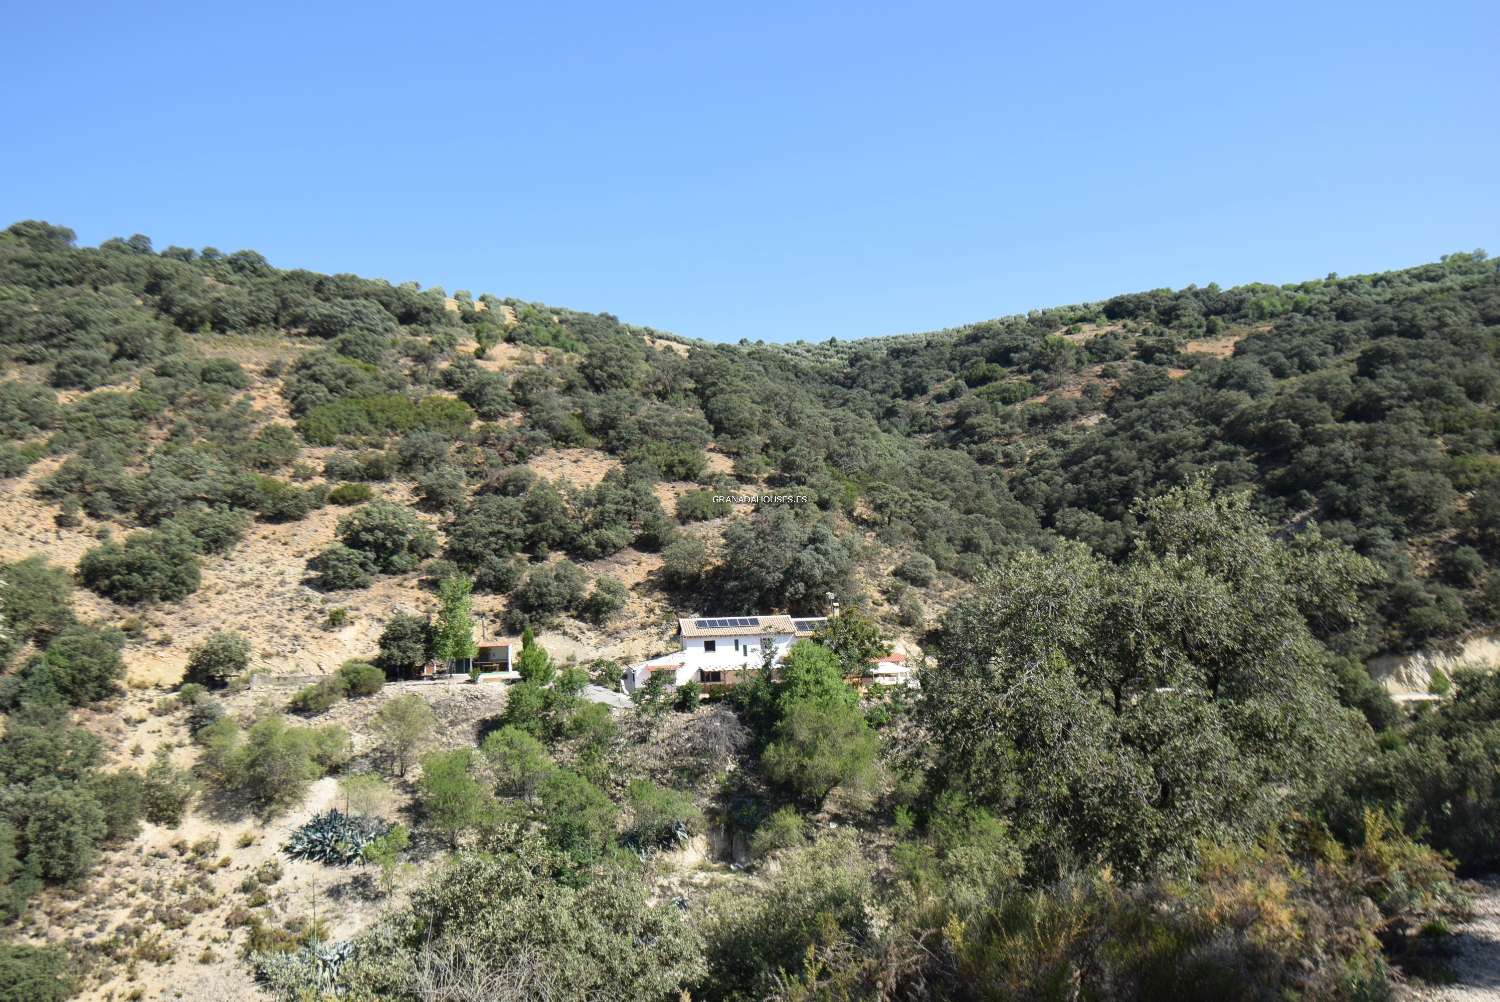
x,y
578,467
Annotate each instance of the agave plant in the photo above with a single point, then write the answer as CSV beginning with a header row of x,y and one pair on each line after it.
x,y
311,971
335,838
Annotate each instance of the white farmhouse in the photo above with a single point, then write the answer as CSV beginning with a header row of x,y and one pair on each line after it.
x,y
720,651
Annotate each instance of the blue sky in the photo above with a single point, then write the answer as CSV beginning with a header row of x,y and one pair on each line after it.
x,y
774,171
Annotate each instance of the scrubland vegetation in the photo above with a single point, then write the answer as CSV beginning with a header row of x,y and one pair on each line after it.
x,y
1144,545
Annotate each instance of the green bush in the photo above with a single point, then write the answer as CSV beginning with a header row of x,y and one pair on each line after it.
x,y
349,494
917,569
35,599
121,796
600,937
683,563
320,696
442,489
911,612
272,763
340,568
549,590
579,818
783,829
218,660
392,536
166,791
607,599
517,760
451,799
497,575
34,974
361,678
278,501
14,462
148,566
213,530
405,645
688,697
756,937
384,414
361,466
700,506
81,664
661,818
64,827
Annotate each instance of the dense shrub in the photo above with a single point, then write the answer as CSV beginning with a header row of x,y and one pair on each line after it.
x,y
320,696
783,829
778,561
684,562
699,506
35,599
661,818
361,678
148,566
358,466
349,494
917,569
393,537
278,501
81,664
579,819
382,415
220,658
121,796
166,790
213,530
597,938
517,760
451,799
549,590
405,645
498,575
339,568
272,763
1441,777
442,488
34,974
607,599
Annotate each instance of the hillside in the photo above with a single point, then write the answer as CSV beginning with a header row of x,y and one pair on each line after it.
x,y
1142,550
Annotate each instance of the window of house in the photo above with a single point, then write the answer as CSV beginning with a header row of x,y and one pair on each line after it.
x,y
711,676
736,643
709,646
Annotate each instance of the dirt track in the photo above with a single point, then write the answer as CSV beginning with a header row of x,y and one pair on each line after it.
x,y
1476,962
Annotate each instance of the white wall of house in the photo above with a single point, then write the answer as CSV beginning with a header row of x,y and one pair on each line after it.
x,y
743,651
732,652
